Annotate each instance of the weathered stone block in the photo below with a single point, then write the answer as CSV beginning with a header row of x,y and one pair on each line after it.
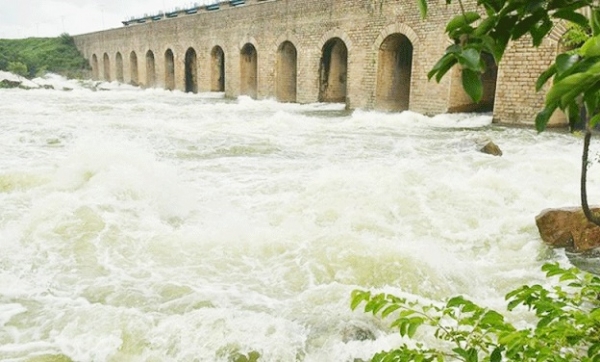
x,y
568,228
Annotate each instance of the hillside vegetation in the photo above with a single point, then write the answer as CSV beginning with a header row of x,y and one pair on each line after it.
x,y
33,57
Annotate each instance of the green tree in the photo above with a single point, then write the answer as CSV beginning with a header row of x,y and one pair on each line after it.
x,y
575,75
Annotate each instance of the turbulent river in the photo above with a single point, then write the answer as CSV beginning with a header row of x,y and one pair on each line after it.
x,y
162,226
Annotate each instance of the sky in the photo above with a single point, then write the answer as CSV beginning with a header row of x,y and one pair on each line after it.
x,y
50,18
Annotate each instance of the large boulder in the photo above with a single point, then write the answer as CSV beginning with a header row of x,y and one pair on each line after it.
x,y
568,228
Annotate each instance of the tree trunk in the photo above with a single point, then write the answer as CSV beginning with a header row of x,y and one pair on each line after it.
x,y
584,166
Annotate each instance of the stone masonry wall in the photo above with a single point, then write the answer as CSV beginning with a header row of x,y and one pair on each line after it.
x,y
516,97
362,25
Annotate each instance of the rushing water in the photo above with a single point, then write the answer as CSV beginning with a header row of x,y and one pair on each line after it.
x,y
162,226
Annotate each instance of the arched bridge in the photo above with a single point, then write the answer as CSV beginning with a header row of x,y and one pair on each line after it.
x,y
372,54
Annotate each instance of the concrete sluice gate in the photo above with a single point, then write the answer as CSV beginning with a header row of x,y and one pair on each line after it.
x,y
286,72
333,72
249,71
394,73
217,70
191,71
150,69
169,70
370,55
133,66
120,77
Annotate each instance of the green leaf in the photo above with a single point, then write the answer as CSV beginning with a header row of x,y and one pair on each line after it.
x,y
455,301
496,355
591,48
572,16
443,66
485,26
543,78
470,59
525,25
502,34
469,355
568,276
565,62
414,324
539,32
574,118
552,269
378,305
462,20
472,84
595,22
358,296
594,350
595,120
492,318
390,309
569,86
543,322
422,8
541,121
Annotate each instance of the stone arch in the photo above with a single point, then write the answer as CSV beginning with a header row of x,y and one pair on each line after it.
x,y
333,71
133,68
95,70
394,73
169,70
557,32
150,69
217,69
335,33
119,61
397,28
106,64
249,70
459,99
286,72
191,71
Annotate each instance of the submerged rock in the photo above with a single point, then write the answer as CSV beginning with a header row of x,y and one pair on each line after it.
x,y
491,149
356,333
5,83
568,228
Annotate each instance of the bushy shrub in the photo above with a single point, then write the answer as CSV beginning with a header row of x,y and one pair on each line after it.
x,y
567,328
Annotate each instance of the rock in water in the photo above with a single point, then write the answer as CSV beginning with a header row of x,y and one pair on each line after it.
x,y
5,83
568,228
492,149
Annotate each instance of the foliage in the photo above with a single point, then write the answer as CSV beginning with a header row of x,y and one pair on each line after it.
x,y
567,329
507,20
575,87
576,35
58,55
18,68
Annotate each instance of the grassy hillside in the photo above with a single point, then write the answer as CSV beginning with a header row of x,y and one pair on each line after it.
x,y
32,57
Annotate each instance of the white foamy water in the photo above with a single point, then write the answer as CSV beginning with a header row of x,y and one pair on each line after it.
x,y
162,226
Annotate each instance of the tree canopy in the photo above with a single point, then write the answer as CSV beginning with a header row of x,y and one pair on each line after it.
x,y
38,55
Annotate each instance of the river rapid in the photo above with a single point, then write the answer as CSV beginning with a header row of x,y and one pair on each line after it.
x,y
162,226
